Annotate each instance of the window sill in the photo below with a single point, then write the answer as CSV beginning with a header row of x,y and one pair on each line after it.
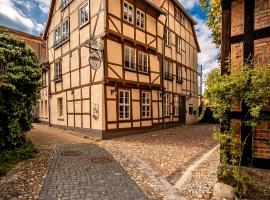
x,y
60,44
168,78
57,80
60,119
83,25
179,81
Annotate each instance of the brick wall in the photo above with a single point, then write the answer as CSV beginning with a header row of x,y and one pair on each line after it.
x,y
262,51
236,56
262,14
237,21
262,140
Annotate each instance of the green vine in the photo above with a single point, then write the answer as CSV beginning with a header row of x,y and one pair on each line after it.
x,y
249,86
20,76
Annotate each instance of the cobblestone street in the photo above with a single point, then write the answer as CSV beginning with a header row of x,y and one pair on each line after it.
x,y
145,166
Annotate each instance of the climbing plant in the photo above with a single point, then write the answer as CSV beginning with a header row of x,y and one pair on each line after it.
x,y
250,86
20,76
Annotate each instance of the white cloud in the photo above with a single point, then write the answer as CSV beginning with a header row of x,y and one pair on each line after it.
x,y
12,17
44,5
189,4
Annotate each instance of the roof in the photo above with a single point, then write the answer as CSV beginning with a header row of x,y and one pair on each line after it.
x,y
23,34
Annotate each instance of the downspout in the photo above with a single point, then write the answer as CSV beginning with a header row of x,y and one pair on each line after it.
x,y
163,72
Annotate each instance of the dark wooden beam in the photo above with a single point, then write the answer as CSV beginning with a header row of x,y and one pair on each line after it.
x,y
226,34
246,131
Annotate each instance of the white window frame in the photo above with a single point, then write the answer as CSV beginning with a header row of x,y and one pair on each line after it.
x,y
176,105
63,33
146,104
128,64
167,38
64,3
57,70
60,107
143,62
125,105
128,11
178,44
84,13
167,105
140,19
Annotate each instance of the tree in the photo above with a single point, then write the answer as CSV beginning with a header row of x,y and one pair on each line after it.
x,y
213,11
19,90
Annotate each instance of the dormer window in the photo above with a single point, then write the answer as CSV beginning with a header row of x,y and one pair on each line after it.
x,y
128,12
140,19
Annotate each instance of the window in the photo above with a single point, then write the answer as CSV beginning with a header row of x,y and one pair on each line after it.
x,y
168,70
60,107
167,38
128,12
143,62
179,75
61,33
178,44
130,58
57,71
140,20
176,105
146,104
84,14
177,14
65,3
190,109
41,108
166,105
45,108
124,105
44,79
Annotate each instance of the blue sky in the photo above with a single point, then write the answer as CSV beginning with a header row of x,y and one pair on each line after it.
x,y
31,15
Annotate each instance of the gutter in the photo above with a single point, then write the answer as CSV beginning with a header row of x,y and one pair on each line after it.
x,y
163,64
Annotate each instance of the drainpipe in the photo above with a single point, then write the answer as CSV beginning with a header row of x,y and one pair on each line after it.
x,y
163,72
49,95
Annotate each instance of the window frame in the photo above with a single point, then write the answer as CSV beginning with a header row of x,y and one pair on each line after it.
x,y
168,70
126,106
131,50
176,105
67,31
146,103
166,104
167,38
84,5
58,69
128,14
60,107
178,44
140,19
141,66
63,6
179,75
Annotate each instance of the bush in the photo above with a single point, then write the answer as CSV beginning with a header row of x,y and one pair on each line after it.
x,y
20,76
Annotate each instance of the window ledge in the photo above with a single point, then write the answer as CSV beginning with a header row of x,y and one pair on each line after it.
x,y
57,80
60,44
83,25
60,119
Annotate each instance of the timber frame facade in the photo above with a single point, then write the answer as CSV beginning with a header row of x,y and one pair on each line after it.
x,y
246,35
148,76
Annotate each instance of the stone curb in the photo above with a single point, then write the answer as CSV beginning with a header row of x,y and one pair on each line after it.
x,y
187,174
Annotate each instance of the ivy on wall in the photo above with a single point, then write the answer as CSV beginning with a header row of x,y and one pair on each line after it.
x,y
19,89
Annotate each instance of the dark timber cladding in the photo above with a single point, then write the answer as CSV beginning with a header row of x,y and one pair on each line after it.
x,y
247,38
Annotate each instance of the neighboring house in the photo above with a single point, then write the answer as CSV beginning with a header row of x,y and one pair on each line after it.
x,y
147,77
37,44
246,34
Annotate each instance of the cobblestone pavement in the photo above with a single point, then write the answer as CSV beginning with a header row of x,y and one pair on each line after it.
x,y
169,151
86,171
200,184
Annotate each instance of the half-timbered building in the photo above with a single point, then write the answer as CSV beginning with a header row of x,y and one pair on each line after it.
x,y
246,36
141,73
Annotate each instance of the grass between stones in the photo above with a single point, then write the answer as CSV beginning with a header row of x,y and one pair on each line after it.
x,y
10,157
